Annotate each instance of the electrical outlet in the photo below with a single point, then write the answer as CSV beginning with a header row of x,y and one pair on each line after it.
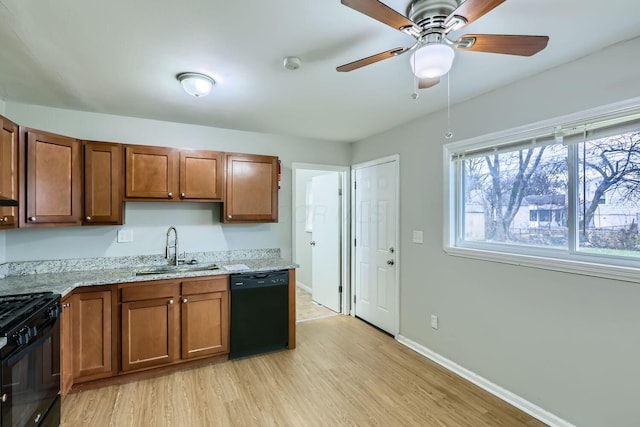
x,y
434,321
417,236
125,236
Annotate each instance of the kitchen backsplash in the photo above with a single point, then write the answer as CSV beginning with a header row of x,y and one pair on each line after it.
x,y
136,261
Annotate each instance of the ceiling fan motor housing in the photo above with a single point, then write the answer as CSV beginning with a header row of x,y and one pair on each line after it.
x,y
430,15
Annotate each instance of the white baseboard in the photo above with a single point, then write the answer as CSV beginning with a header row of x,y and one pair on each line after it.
x,y
303,286
509,397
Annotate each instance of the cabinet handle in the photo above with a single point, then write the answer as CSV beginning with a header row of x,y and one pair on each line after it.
x,y
229,216
170,301
4,219
32,219
390,262
4,397
184,301
88,218
170,195
183,195
66,305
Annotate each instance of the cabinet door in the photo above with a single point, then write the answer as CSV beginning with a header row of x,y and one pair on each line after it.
x,y
201,175
102,183
91,336
66,356
251,189
149,333
8,172
151,173
53,180
205,324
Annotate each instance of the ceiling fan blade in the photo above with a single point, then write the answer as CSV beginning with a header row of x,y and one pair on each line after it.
x,y
502,43
372,59
427,83
381,12
470,10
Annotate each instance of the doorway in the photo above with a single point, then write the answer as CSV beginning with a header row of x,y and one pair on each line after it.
x,y
375,224
320,230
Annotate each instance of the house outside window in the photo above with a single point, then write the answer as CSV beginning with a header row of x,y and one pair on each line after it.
x,y
569,193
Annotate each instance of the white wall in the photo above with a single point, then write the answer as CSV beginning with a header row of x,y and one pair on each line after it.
x,y
198,223
568,343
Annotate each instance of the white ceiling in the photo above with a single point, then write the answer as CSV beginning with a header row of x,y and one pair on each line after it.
x,y
121,57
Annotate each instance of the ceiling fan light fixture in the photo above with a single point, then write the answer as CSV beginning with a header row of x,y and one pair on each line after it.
x,y
196,84
432,61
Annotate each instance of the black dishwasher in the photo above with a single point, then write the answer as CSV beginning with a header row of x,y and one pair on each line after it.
x,y
259,312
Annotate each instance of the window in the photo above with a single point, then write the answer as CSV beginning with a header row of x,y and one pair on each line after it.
x,y
559,193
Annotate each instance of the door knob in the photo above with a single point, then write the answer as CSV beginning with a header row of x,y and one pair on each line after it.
x,y
182,195
390,262
391,250
184,300
88,218
312,243
170,195
32,219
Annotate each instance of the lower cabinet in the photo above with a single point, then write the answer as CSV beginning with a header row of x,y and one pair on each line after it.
x,y
205,302
169,321
87,340
132,327
149,322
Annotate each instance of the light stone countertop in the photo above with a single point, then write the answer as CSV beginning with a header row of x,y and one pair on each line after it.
x,y
63,282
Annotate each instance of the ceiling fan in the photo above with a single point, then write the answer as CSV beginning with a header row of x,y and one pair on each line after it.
x,y
429,22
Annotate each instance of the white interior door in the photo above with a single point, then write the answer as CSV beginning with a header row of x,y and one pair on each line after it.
x,y
325,257
375,246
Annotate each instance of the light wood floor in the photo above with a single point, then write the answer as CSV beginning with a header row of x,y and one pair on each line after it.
x,y
343,373
306,309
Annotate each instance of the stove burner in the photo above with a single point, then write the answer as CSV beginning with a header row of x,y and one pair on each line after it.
x,y
15,308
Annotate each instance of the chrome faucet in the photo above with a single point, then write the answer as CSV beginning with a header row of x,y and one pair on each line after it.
x,y
167,249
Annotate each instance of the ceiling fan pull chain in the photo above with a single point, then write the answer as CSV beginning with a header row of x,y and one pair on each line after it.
x,y
449,133
414,94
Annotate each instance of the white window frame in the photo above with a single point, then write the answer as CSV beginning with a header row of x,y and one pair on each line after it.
x,y
570,260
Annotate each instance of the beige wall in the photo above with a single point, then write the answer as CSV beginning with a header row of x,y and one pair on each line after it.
x,y
567,343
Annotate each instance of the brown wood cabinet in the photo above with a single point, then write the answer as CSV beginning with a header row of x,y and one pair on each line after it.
x,y
87,338
52,180
8,172
66,357
205,317
150,319
168,320
251,188
201,175
161,173
103,182
151,173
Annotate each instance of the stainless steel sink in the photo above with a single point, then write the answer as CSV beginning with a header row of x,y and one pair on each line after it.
x,y
168,269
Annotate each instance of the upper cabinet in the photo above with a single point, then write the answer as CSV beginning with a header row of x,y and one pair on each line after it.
x,y
201,175
103,183
8,172
151,173
160,173
251,188
52,180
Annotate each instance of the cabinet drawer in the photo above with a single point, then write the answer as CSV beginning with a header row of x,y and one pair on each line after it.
x,y
218,284
149,291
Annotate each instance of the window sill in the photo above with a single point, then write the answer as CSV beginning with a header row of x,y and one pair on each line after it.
x,y
584,268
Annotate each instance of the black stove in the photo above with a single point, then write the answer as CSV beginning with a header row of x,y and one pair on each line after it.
x,y
30,359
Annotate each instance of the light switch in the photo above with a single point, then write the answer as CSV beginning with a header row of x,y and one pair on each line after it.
x,y
125,236
417,236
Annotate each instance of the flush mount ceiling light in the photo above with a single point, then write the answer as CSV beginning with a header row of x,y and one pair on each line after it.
x,y
196,84
432,61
